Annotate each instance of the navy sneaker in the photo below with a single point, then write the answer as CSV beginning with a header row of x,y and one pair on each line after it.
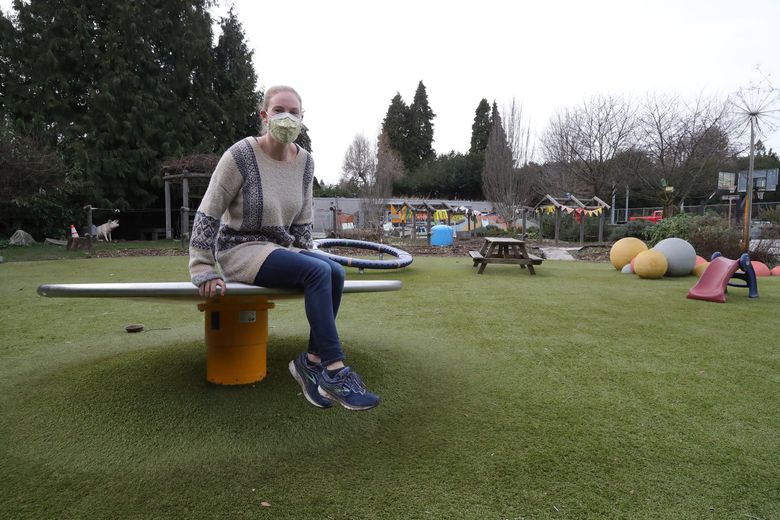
x,y
347,389
308,376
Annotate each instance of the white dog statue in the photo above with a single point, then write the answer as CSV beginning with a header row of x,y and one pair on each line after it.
x,y
104,230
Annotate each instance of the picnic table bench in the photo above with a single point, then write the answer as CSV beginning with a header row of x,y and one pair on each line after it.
x,y
501,250
236,325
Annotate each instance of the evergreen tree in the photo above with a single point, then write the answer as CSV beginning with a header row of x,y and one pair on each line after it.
x,y
303,140
501,183
480,129
396,126
449,176
116,87
420,138
7,40
235,81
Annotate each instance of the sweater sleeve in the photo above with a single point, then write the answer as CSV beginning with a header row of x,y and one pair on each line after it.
x,y
223,187
301,228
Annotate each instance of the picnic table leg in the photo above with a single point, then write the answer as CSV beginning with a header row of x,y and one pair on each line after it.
x,y
482,266
236,340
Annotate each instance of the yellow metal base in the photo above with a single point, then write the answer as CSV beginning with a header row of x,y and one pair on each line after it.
x,y
236,339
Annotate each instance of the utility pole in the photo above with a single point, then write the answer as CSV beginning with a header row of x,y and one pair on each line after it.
x,y
626,203
749,188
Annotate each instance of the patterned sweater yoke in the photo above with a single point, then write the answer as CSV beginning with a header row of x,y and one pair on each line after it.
x,y
253,205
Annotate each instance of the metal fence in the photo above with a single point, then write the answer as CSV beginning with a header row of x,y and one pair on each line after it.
x,y
734,210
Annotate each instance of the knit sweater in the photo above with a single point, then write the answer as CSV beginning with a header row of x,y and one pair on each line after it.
x,y
254,205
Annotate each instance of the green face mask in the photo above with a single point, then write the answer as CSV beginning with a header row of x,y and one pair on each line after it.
x,y
284,127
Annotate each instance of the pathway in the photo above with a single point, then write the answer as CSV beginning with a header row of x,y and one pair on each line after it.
x,y
558,253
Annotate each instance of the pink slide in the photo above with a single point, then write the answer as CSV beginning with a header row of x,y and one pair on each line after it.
x,y
712,284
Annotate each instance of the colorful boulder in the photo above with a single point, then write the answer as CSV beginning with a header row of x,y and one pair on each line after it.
x,y
624,250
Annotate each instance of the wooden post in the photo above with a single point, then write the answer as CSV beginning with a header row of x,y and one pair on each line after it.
x,y
185,195
601,226
557,224
88,209
582,228
168,230
525,230
541,219
428,219
335,209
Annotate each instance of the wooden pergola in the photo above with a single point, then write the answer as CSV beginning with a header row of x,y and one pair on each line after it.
x,y
193,168
571,205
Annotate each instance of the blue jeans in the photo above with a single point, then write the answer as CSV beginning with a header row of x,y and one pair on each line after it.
x,y
322,281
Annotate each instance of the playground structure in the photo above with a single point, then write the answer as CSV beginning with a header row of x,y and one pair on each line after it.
x,y
411,210
714,282
236,325
571,205
402,257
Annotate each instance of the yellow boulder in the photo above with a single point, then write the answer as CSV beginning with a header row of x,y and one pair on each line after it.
x,y
650,264
624,250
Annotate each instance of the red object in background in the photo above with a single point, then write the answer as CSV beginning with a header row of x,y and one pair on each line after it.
x,y
655,217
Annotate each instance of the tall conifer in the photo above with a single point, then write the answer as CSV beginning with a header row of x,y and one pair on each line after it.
x,y
420,130
480,129
235,83
117,87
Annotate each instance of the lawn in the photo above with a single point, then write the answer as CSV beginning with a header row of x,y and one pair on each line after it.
x,y
576,393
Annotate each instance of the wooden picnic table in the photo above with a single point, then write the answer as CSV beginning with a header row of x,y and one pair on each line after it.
x,y
501,250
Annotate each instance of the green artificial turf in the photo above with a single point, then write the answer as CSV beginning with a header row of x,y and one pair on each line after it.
x,y
576,393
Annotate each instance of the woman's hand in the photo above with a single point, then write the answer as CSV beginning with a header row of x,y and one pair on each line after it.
x,y
210,288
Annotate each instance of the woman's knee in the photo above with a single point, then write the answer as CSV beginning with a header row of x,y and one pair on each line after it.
x,y
318,271
338,274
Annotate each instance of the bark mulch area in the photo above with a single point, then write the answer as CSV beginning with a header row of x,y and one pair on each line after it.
x,y
119,253
595,253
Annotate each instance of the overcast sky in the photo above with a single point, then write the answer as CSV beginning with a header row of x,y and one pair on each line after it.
x,y
348,58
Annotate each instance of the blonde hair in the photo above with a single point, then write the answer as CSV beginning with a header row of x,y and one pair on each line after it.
x,y
271,92
266,102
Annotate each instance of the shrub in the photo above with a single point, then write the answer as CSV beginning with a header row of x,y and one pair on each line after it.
x,y
367,234
532,233
492,231
632,228
677,226
771,215
570,228
710,233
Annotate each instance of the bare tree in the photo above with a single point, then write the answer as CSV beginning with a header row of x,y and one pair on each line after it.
x,y
683,142
501,181
379,185
518,134
359,165
585,142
